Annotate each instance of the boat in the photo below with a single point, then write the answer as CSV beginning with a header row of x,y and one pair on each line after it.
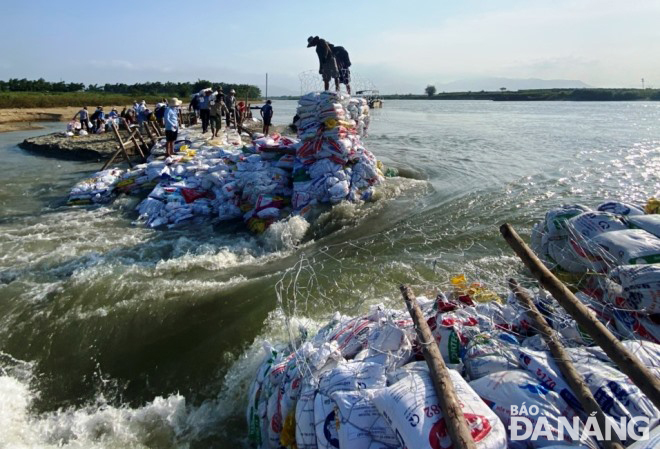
x,y
372,96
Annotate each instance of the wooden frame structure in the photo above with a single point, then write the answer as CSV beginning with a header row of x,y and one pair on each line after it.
x,y
124,145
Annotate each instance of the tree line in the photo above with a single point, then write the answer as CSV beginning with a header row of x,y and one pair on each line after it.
x,y
182,90
556,94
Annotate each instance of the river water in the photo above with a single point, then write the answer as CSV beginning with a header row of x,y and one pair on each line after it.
x,y
117,336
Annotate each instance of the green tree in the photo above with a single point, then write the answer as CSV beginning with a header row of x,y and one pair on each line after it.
x,y
430,90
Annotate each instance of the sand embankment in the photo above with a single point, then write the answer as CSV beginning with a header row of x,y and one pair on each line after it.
x,y
21,119
90,147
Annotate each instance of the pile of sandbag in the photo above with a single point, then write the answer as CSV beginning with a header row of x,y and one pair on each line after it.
x,y
621,243
97,189
205,182
360,382
331,163
358,109
578,239
261,183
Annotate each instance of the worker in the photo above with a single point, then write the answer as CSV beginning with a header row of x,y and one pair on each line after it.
x,y
84,118
171,124
267,115
204,108
230,103
327,63
217,109
343,64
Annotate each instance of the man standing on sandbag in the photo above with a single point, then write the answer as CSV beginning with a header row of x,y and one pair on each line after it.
x,y
217,109
230,103
343,64
171,124
204,109
327,63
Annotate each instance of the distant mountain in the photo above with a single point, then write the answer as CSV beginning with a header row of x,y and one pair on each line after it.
x,y
495,84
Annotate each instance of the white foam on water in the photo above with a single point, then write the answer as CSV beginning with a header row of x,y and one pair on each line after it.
x,y
156,424
286,234
164,422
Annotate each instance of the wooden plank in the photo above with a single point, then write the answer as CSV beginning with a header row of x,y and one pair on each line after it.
x,y
121,144
149,133
111,160
459,431
622,358
563,360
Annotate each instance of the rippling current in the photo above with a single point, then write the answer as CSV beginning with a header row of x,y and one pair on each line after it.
x,y
117,336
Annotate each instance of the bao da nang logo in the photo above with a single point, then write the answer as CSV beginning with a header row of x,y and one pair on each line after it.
x,y
527,425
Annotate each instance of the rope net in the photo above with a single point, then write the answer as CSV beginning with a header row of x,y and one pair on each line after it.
x,y
352,352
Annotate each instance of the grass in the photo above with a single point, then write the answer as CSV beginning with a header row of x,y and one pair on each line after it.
x,y
62,99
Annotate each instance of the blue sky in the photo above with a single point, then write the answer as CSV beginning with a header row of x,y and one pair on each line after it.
x,y
398,46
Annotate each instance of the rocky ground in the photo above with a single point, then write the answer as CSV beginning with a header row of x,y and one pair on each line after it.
x,y
90,147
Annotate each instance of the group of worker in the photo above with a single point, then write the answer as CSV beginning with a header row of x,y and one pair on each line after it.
x,y
334,63
96,122
211,105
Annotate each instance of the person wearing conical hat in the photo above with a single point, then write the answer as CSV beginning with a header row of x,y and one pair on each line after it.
x,y
171,124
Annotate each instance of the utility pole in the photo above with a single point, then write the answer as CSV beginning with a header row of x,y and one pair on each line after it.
x,y
642,83
266,86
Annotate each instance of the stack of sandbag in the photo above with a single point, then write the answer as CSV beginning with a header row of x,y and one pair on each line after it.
x,y
261,183
331,163
620,241
97,189
358,109
362,383
577,239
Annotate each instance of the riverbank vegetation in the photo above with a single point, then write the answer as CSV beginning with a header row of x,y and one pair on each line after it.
x,y
583,94
23,93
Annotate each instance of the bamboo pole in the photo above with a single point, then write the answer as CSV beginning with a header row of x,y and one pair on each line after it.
x,y
444,389
573,378
622,358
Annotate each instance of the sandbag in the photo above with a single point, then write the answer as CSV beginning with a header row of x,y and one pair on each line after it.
x,y
590,224
619,208
649,223
641,286
305,426
489,353
255,417
561,252
411,408
617,396
360,424
633,325
555,219
345,377
505,389
627,247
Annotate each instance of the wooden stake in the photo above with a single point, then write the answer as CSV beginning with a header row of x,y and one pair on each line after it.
x,y
622,358
111,160
149,130
573,378
444,389
122,147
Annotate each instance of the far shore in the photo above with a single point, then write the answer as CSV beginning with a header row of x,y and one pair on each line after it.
x,y
19,119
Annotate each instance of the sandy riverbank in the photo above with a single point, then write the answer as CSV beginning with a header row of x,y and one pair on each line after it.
x,y
16,119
